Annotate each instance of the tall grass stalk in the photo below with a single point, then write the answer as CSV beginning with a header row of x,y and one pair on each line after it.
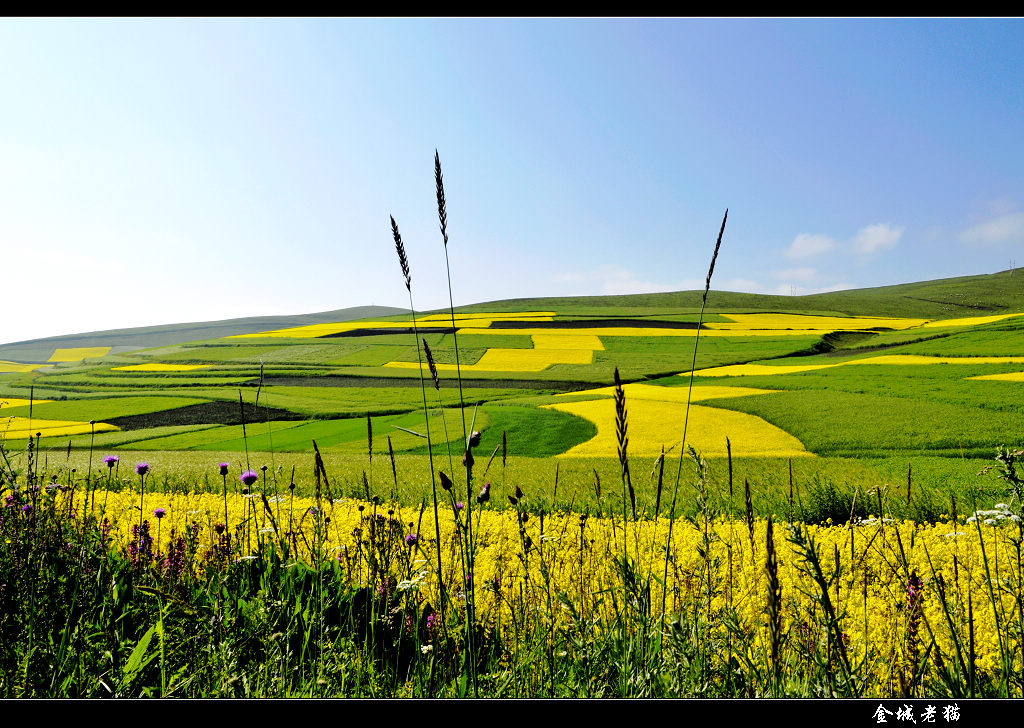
x,y
686,415
628,584
403,262
774,608
442,215
440,408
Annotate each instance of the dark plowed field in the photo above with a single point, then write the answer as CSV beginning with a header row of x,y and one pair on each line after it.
x,y
596,324
208,413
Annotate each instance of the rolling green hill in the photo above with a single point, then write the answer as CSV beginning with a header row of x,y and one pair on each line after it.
x,y
928,370
123,340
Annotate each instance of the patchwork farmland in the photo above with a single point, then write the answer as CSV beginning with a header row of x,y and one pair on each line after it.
x,y
262,449
849,380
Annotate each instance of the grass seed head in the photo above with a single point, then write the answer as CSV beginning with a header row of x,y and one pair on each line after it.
x,y
402,259
442,212
432,365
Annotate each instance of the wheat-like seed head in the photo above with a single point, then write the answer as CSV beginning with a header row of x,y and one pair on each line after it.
x,y
402,259
714,256
620,419
442,212
430,363
750,512
774,600
620,432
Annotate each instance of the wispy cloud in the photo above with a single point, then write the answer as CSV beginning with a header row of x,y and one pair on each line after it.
x,y
806,245
1003,229
867,241
873,238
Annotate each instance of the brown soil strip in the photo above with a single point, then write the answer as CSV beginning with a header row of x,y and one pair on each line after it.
x,y
387,332
595,324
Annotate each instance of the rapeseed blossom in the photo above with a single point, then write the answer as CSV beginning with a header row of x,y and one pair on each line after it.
x,y
886,577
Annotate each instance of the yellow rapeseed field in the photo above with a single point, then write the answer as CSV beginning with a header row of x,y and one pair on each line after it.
x,y
901,359
1008,377
511,360
11,367
515,316
79,353
668,394
21,428
158,367
548,349
873,564
653,423
640,331
10,402
739,324
471,320
970,321
753,370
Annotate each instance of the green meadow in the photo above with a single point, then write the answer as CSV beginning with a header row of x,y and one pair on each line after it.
x,y
277,395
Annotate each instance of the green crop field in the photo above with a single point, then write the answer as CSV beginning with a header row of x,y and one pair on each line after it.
x,y
822,411
300,385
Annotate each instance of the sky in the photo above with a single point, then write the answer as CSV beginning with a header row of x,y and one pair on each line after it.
x,y
159,171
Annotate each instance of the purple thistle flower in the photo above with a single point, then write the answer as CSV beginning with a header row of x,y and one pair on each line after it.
x,y
411,539
111,460
160,512
459,505
485,494
224,468
142,468
249,477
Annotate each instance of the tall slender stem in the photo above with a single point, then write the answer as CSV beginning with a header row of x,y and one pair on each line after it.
x,y
686,416
404,263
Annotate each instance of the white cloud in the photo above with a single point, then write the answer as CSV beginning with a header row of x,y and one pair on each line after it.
x,y
873,238
805,245
1003,229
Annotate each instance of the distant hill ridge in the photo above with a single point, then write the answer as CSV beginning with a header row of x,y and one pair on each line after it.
x,y
960,297
145,337
944,298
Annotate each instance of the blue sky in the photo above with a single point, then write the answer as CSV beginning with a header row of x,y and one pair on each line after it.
x,y
161,171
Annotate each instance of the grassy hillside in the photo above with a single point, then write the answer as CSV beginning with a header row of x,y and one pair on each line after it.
x,y
925,370
122,340
944,298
